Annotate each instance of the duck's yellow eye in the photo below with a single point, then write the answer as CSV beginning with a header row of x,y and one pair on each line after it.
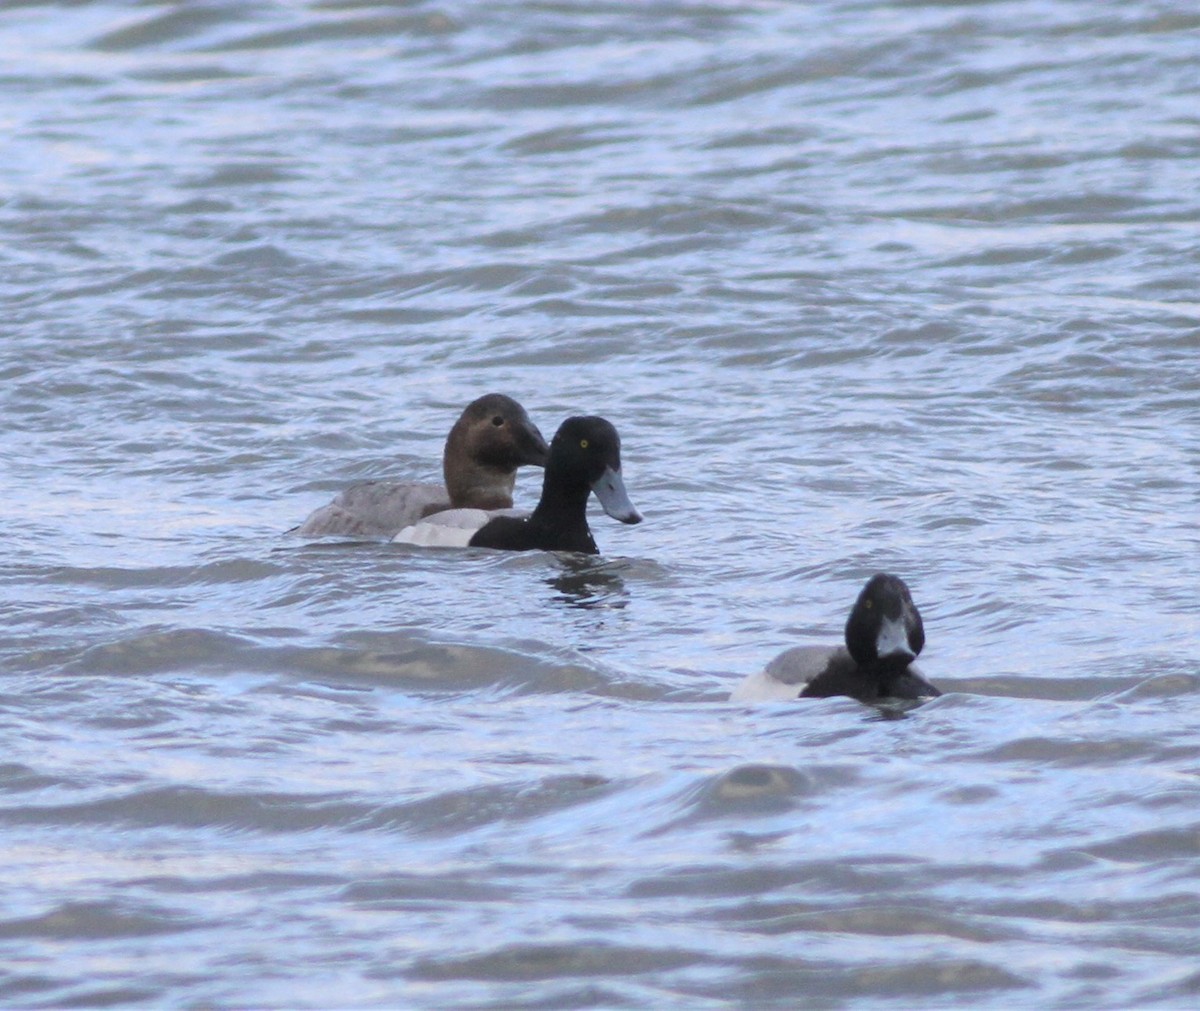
x,y
583,444
868,604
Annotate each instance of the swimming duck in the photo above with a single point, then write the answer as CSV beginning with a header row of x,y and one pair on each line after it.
x,y
884,635
585,457
490,440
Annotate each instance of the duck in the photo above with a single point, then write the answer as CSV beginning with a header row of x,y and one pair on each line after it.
x,y
884,635
584,457
491,438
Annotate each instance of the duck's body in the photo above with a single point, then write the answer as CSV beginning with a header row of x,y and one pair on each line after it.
x,y
585,457
490,440
884,635
375,509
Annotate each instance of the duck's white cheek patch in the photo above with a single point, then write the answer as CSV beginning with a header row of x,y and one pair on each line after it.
x,y
892,638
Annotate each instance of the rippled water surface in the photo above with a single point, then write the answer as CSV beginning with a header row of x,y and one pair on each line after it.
x,y
864,285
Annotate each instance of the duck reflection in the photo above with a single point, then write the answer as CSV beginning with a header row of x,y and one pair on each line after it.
x,y
586,581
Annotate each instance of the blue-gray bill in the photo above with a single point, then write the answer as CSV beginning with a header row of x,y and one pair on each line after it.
x,y
610,490
893,640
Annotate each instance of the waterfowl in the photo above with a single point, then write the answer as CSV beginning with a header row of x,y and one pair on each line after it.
x,y
491,439
884,635
585,457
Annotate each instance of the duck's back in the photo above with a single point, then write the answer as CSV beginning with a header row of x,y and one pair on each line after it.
x,y
375,509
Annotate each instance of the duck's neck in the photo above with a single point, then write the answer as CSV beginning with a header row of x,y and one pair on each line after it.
x,y
563,503
480,488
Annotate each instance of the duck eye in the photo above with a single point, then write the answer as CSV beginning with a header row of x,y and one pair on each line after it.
x,y
497,421
868,604
583,444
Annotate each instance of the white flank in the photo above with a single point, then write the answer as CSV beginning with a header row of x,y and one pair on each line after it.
x,y
761,687
452,528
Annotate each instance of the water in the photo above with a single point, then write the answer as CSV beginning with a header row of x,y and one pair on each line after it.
x,y
863,285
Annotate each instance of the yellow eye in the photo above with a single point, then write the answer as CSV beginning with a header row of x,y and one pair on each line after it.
x,y
868,604
583,444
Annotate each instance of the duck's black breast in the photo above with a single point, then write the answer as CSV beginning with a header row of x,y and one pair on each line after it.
x,y
532,534
910,683
841,675
867,682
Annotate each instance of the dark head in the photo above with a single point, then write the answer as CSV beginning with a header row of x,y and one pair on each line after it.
x,y
587,451
491,439
885,626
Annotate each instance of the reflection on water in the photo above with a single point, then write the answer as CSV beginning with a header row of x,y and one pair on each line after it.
x,y
589,581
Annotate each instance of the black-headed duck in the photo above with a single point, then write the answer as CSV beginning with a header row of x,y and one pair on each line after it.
x,y
884,635
585,457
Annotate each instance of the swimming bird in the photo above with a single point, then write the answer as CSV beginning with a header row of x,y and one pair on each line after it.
x,y
884,635
491,439
585,457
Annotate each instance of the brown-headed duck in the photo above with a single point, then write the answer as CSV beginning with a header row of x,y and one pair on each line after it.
x,y
490,440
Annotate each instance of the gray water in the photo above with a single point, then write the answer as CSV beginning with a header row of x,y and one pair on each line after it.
x,y
864,286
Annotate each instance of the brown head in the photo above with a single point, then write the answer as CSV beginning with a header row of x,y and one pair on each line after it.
x,y
487,444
